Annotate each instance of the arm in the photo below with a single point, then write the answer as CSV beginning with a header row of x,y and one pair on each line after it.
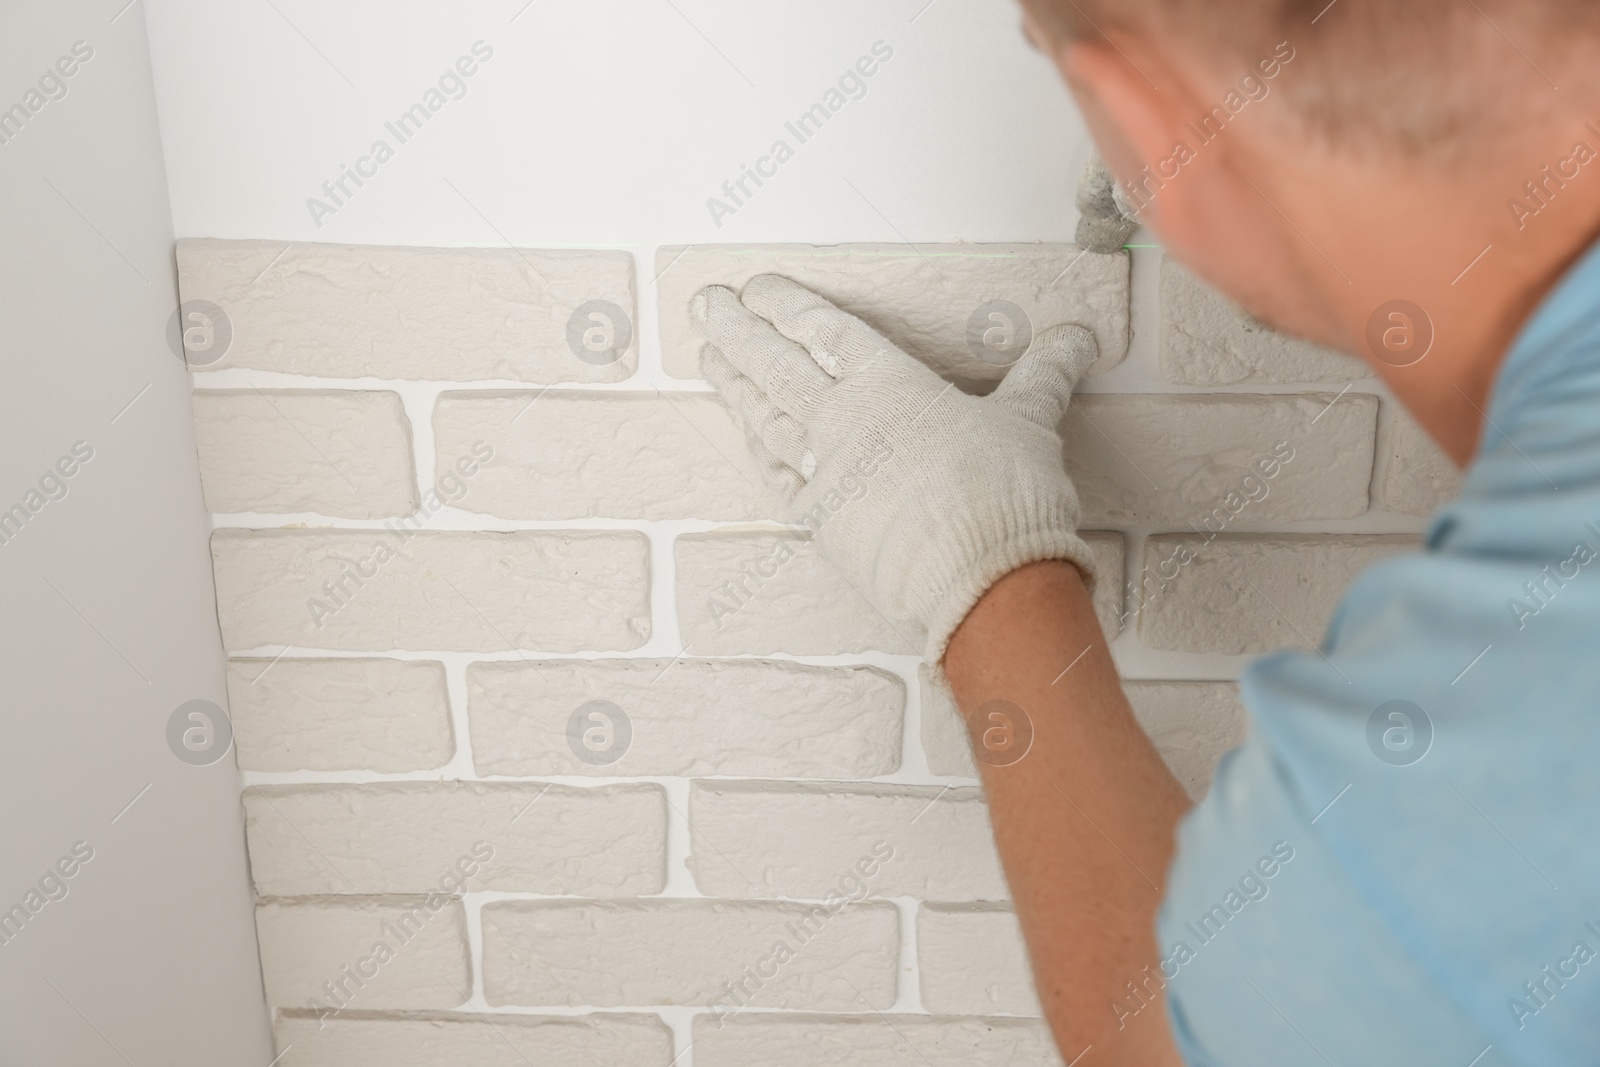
x,y
940,507
1084,821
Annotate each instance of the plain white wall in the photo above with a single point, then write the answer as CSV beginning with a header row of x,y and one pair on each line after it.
x,y
610,122
110,624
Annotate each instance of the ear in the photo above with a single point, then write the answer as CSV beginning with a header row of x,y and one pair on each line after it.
x,y
1134,122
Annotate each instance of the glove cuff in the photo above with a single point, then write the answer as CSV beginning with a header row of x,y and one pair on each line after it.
x,y
1017,550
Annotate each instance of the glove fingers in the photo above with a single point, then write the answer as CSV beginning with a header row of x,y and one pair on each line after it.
x,y
785,438
782,477
779,432
838,341
1040,386
776,365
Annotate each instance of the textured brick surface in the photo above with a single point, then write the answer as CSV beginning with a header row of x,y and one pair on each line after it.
x,y
1207,340
341,453
566,455
773,592
408,837
1420,477
689,952
685,717
752,839
972,961
1109,585
436,1039
921,297
1253,594
339,714
309,945
457,314
1176,459
772,797
944,736
553,591
873,1041
1192,724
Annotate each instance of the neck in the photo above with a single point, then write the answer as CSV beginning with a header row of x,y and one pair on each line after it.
x,y
1451,242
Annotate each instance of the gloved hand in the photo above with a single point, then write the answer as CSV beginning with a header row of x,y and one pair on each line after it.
x,y
922,495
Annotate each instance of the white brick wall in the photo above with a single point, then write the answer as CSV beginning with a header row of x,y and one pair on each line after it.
x,y
343,453
761,593
382,589
719,953
881,1040
374,1039
325,949
570,455
1206,340
760,839
457,314
767,718
405,837
1253,594
1171,460
339,714
432,572
922,298
1420,477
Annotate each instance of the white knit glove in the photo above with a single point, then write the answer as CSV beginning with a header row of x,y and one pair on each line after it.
x,y
922,495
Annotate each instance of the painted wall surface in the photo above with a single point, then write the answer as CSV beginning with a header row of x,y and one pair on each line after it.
x,y
610,123
428,707
125,932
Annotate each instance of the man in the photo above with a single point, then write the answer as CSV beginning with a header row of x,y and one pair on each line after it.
x,y
1422,171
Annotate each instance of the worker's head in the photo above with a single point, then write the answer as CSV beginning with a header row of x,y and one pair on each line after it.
x,y
1277,146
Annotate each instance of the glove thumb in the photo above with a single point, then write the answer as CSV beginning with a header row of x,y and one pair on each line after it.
x,y
1040,386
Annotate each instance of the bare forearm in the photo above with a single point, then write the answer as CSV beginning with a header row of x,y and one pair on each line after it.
x,y
1084,819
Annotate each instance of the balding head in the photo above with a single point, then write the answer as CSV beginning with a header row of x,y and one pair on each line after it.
x,y
1427,78
1320,160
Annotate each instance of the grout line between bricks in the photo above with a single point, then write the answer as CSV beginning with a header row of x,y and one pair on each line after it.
x,y
913,757
418,400
679,844
460,764
909,975
641,384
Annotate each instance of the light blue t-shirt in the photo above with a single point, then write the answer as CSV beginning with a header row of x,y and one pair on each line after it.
x,y
1338,900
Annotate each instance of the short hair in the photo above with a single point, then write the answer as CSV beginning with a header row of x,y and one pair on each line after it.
x,y
1429,77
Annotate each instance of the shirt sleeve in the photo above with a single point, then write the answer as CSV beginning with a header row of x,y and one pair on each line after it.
x,y
1399,866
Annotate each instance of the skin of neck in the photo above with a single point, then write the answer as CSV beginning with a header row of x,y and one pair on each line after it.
x,y
1314,238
